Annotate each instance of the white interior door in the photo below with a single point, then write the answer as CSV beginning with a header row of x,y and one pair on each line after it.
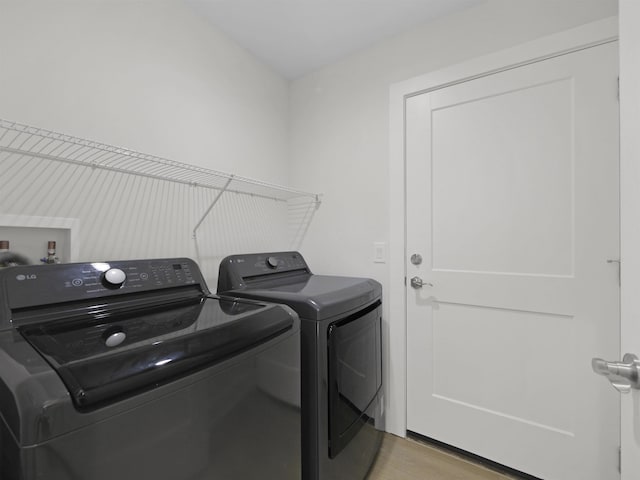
x,y
513,205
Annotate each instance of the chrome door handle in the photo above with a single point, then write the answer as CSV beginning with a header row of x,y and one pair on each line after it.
x,y
416,282
623,375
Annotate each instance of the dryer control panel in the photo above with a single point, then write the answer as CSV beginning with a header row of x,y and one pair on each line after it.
x,y
254,264
237,271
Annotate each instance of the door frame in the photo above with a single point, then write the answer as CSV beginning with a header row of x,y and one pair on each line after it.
x,y
395,371
629,12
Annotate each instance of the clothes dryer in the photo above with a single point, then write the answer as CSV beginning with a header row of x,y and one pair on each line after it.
x,y
341,360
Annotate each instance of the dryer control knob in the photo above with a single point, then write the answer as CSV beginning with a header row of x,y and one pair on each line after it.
x,y
114,277
272,262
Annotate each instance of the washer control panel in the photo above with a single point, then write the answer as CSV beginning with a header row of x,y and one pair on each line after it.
x,y
78,281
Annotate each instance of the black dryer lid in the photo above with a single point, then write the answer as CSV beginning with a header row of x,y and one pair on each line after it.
x,y
316,297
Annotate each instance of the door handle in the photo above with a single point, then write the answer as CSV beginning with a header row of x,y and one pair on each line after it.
x,y
416,282
623,375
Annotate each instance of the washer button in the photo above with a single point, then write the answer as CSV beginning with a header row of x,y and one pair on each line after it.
x,y
115,339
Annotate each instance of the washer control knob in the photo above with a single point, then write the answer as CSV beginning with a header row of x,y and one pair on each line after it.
x,y
114,277
115,339
272,262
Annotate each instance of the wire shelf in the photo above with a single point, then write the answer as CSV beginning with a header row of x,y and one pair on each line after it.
x,y
20,139
130,204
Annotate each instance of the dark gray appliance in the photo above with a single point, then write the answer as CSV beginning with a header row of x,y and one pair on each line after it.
x,y
131,370
342,405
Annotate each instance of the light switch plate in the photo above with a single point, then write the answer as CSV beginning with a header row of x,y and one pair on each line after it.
x,y
379,252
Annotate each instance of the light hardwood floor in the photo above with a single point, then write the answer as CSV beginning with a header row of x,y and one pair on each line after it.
x,y
407,459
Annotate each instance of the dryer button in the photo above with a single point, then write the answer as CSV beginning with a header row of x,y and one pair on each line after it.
x,y
272,262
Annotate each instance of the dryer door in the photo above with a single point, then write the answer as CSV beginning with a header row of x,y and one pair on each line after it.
x,y
355,373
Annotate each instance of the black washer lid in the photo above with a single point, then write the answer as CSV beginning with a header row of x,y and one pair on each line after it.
x,y
156,345
316,297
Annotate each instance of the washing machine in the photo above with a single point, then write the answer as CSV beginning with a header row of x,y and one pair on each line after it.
x,y
340,351
133,370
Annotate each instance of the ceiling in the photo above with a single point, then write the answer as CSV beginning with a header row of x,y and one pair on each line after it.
x,y
295,37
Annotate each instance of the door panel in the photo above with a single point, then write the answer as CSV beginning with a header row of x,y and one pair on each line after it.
x,y
515,341
526,192
512,200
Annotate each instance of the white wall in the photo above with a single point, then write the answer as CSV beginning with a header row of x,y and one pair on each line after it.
x,y
153,77
630,223
340,121
149,76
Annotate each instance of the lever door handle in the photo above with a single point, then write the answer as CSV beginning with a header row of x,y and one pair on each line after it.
x,y
623,375
416,282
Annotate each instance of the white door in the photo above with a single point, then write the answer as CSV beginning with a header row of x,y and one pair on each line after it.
x,y
513,205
